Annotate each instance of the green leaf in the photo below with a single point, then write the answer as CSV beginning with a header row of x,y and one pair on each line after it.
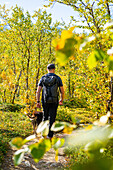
x,y
57,143
57,126
86,136
69,128
62,55
17,142
39,149
29,138
95,56
45,131
94,146
69,44
110,64
18,156
42,126
92,61
61,58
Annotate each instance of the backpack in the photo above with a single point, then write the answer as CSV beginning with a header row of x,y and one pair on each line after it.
x,y
50,89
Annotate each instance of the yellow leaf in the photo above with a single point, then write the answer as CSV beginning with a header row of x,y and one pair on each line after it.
x,y
72,28
91,61
66,34
61,44
68,130
88,127
56,155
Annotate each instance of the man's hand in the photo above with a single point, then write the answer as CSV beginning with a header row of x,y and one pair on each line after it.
x,y
61,95
38,105
38,96
60,102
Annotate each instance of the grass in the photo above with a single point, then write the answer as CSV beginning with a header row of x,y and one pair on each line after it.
x,y
15,123
12,124
74,115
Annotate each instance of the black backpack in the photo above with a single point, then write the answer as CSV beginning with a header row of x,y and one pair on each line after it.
x,y
50,89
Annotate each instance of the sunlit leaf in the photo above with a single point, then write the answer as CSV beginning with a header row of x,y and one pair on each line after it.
x,y
29,138
89,127
91,61
37,150
69,128
110,65
17,142
95,56
18,156
55,42
67,51
57,143
111,73
42,126
93,148
57,126
45,131
72,28
66,34
56,155
60,44
83,137
61,58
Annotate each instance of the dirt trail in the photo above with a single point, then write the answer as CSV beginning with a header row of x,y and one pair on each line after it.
x,y
47,163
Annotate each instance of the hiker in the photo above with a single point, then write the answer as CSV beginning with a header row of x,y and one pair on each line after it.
x,y
51,84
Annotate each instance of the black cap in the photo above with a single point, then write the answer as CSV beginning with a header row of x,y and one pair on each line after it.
x,y
51,66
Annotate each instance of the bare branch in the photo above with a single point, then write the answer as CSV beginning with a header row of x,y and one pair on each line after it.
x,y
68,4
108,10
89,24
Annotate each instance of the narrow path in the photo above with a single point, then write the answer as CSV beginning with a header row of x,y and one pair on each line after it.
x,y
47,163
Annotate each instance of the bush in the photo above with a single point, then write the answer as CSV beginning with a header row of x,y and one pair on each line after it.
x,y
76,102
12,124
76,155
63,114
3,149
11,107
75,115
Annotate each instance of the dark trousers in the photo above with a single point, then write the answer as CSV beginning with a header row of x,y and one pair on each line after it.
x,y
50,111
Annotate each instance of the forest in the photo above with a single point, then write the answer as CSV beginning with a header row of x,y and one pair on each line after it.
x,y
84,61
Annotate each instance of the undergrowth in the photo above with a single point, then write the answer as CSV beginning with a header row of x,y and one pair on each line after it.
x,y
12,124
15,123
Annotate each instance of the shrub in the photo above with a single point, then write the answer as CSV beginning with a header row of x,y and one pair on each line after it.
x,y
11,107
76,155
75,115
76,102
63,114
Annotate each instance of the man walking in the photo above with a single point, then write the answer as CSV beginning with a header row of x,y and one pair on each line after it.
x,y
51,85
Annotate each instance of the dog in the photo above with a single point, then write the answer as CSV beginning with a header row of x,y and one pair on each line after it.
x,y
36,119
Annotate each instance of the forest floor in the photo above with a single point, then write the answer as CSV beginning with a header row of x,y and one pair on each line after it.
x,y
46,163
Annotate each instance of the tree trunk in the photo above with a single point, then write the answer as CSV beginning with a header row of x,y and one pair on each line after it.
x,y
16,87
69,86
111,88
38,71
